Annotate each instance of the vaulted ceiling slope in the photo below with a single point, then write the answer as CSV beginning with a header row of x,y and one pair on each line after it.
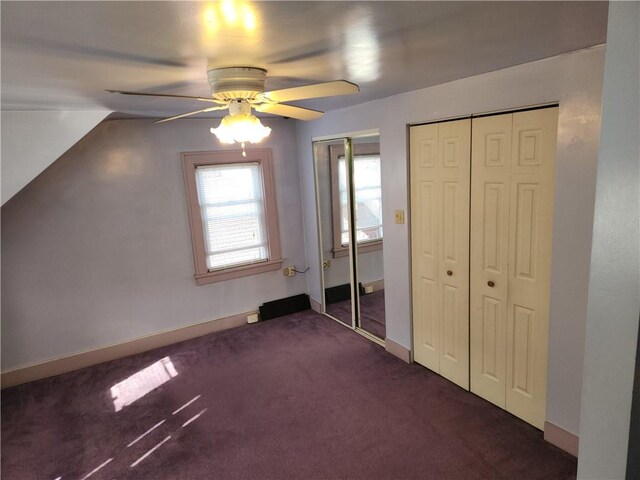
x,y
63,55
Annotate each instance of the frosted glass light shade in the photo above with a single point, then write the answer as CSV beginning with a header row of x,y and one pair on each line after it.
x,y
241,128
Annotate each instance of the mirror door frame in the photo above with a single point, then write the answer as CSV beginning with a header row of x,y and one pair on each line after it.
x,y
353,247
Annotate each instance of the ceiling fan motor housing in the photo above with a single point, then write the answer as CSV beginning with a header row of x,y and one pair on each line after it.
x,y
239,107
235,83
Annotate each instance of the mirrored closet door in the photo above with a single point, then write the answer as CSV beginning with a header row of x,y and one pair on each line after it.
x,y
349,207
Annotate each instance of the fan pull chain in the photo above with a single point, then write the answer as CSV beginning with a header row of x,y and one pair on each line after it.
x,y
244,154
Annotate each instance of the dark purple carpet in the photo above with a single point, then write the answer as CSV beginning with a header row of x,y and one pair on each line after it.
x,y
340,311
371,312
299,397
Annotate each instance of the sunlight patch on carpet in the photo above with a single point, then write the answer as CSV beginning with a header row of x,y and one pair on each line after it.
x,y
195,417
187,404
142,382
151,451
96,469
145,433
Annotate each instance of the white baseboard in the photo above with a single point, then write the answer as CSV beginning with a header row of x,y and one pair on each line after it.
x,y
76,361
397,350
561,438
316,306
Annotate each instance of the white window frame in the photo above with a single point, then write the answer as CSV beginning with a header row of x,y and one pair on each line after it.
x,y
191,161
335,153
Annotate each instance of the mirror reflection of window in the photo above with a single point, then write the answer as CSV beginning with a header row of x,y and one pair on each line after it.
x,y
368,197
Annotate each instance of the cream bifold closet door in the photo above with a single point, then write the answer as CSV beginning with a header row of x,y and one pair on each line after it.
x,y
512,184
481,221
440,170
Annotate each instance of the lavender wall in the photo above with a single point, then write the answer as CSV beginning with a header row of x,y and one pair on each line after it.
x,y
614,290
97,250
575,81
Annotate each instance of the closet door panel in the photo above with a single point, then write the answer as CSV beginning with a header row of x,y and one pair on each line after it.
x,y
530,236
424,245
454,148
491,167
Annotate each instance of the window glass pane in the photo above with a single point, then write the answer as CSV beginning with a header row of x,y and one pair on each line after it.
x,y
368,193
240,257
233,216
229,183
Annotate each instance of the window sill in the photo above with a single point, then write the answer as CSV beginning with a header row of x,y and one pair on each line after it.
x,y
237,272
362,248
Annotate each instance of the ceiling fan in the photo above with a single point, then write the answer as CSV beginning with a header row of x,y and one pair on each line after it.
x,y
240,89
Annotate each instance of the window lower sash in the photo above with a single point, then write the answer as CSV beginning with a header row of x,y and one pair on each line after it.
x,y
237,272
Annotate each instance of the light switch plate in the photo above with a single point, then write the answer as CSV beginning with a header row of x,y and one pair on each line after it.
x,y
400,216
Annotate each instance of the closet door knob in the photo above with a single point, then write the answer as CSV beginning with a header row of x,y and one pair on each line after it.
x,y
449,272
491,284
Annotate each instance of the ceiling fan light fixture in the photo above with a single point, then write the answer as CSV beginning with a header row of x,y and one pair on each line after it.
x,y
241,128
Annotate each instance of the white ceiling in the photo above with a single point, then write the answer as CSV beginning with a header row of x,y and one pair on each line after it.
x,y
63,55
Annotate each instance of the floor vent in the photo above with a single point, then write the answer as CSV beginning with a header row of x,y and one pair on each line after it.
x,y
284,306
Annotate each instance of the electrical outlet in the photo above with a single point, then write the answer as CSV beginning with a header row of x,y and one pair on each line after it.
x,y
326,264
400,216
253,318
289,271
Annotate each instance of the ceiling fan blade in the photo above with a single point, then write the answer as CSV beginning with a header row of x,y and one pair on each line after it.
x,y
61,48
298,113
202,99
326,89
182,115
300,54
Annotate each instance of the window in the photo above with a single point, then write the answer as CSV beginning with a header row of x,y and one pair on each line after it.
x,y
368,198
232,214
368,195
